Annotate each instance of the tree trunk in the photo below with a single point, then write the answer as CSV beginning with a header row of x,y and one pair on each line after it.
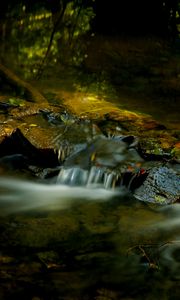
x,y
22,86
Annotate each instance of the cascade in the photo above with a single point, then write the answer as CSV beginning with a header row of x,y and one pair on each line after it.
x,y
95,176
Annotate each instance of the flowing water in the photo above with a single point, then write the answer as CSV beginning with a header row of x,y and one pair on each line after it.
x,y
79,236
21,195
76,238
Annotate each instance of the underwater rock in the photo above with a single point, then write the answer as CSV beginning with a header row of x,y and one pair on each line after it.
x,y
162,186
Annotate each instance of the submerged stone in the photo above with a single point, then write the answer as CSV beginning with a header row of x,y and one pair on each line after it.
x,y
162,186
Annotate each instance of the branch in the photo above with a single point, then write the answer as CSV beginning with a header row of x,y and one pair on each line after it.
x,y
56,25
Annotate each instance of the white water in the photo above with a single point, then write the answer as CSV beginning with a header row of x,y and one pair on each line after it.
x,y
161,225
19,195
87,178
73,176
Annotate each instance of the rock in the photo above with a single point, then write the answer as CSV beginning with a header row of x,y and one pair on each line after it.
x,y
156,146
176,150
16,149
162,186
106,152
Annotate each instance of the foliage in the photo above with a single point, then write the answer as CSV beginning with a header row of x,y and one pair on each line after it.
x,y
16,102
76,23
49,32
30,34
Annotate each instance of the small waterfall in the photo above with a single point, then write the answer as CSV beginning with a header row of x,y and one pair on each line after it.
x,y
96,176
109,180
77,176
73,176
94,163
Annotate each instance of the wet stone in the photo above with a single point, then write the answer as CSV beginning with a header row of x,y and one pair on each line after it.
x,y
162,186
155,146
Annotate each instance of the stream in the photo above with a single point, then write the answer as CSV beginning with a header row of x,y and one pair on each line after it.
x,y
85,242
77,236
